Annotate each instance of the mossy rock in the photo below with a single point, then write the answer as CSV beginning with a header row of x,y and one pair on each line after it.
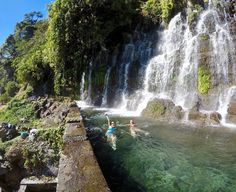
x,y
155,109
204,37
204,80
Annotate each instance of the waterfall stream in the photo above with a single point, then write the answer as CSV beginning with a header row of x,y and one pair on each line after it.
x,y
170,68
173,72
88,99
82,87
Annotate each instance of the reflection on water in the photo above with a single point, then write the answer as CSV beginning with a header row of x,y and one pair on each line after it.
x,y
171,158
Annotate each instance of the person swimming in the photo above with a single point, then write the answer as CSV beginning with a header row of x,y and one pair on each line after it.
x,y
111,132
134,131
132,128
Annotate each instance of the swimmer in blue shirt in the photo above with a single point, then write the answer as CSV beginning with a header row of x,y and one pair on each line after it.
x,y
110,133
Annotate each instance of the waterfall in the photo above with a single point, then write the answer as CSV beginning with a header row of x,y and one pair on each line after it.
x,y
127,59
167,64
173,72
224,102
133,61
88,99
82,87
105,89
106,82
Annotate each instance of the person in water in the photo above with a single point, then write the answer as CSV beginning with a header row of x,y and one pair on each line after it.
x,y
110,133
134,130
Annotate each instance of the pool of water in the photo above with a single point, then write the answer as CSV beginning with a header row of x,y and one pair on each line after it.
x,y
170,158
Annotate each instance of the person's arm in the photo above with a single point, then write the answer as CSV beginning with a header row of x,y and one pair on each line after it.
x,y
108,120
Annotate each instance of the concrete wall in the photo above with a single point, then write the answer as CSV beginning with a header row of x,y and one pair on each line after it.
x,y
78,167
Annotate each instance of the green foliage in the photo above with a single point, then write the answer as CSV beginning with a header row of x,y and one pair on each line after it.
x,y
151,9
194,13
24,92
25,29
11,88
204,37
55,52
53,136
204,80
35,154
79,30
16,109
30,66
21,56
160,10
4,146
166,7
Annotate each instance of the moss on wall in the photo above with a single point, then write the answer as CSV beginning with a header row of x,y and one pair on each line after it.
x,y
194,13
204,80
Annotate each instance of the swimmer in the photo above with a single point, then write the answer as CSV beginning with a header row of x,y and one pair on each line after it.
x,y
110,134
134,130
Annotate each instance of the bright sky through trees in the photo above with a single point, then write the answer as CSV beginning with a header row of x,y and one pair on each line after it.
x,y
13,11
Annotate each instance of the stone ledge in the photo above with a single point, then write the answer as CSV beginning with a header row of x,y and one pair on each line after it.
x,y
78,166
74,129
79,170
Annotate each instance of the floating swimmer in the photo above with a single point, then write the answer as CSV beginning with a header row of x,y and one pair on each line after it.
x,y
111,132
134,130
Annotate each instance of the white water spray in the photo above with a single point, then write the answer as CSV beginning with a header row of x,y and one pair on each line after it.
x,y
82,87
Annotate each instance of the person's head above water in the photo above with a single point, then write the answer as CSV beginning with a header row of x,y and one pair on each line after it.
x,y
112,124
131,121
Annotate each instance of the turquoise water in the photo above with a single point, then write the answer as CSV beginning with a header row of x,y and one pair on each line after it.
x,y
171,158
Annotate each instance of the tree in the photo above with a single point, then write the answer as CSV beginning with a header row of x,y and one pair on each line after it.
x,y
25,29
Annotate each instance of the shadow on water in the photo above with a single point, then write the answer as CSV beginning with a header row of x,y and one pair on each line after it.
x,y
173,158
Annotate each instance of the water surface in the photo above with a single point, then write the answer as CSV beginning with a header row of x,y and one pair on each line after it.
x,y
170,158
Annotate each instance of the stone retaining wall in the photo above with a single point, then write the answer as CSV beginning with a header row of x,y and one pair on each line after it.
x,y
78,167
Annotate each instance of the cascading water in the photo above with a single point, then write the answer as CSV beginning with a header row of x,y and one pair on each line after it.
x,y
173,73
82,86
106,82
85,95
88,99
127,59
135,56
224,102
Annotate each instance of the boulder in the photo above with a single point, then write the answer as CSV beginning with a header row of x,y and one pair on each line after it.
x,y
73,104
232,108
231,119
216,117
155,109
8,132
3,169
163,109
178,112
194,115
